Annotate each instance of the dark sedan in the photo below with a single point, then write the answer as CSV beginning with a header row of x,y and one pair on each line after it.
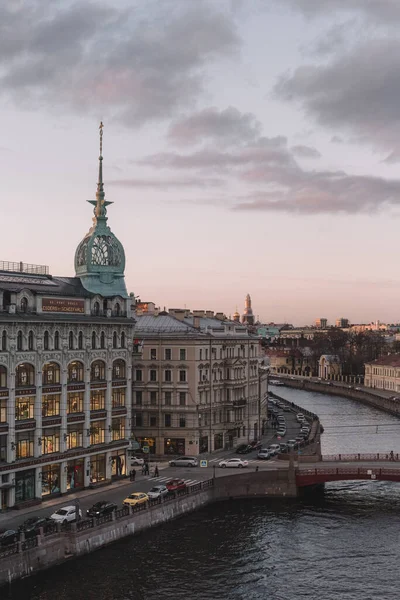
x,y
8,537
31,526
244,449
100,509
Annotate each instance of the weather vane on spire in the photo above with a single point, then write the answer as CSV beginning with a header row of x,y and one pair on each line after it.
x,y
101,126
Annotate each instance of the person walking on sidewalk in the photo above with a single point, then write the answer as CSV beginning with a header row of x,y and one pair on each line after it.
x,y
156,473
133,474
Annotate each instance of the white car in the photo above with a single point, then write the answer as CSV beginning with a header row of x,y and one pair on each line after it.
x,y
274,449
233,462
66,514
158,491
300,418
136,461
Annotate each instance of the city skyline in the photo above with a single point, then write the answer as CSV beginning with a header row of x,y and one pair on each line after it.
x,y
241,153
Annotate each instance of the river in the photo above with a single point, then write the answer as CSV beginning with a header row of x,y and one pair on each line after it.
x,y
342,543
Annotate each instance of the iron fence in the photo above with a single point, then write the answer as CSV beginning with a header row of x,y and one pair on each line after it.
x,y
9,551
31,543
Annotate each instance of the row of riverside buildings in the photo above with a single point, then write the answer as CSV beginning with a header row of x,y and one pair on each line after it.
x,y
86,379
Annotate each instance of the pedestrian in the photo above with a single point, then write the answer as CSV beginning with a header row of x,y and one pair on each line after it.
x,y
133,474
144,469
156,473
147,469
391,455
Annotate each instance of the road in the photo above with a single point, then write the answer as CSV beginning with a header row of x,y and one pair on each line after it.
x,y
117,491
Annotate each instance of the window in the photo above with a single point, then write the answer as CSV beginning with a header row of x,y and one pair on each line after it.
x,y
153,421
24,407
153,375
139,398
182,398
168,375
117,310
51,405
182,421
118,397
75,372
75,437
24,305
167,420
182,376
122,340
153,398
201,354
94,340
119,369
97,399
102,340
98,371
51,374
25,444
168,354
71,340
138,419
30,340
96,309
97,432
4,341
3,448
80,340
19,340
50,440
56,341
46,340
153,354
182,354
3,377
117,429
3,412
24,375
168,398
75,402
115,345
139,375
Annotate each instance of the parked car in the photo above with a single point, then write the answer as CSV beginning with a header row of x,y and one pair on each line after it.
x,y
264,454
137,461
243,449
158,491
8,537
283,447
300,418
281,419
66,514
233,462
136,498
101,508
292,444
31,526
280,404
174,485
274,449
184,461
256,445
281,432
286,408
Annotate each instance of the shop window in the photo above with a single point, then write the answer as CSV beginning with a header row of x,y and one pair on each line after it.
x,y
117,429
50,440
168,354
75,477
50,479
24,485
168,375
24,445
118,397
75,372
98,371
182,376
102,340
97,433
24,407
182,354
74,402
30,340
71,340
174,446
3,377
153,398
97,399
46,340
119,370
167,420
139,398
3,411
80,340
4,341
51,374
182,421
118,464
19,341
153,375
51,405
182,398
24,375
168,398
56,341
98,468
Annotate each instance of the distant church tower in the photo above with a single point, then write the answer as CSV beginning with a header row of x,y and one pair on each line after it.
x,y
248,317
236,316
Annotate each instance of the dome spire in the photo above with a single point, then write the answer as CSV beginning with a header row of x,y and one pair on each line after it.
x,y
100,203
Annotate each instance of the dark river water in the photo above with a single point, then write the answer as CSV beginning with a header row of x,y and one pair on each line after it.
x,y
342,544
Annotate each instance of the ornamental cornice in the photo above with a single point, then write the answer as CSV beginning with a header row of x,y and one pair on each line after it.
x,y
48,356
4,359
25,357
96,354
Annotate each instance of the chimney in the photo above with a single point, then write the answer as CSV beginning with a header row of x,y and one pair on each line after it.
x,y
196,322
198,313
220,316
178,313
209,314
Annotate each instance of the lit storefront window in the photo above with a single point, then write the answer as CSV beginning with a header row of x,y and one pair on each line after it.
x,y
118,463
51,374
24,407
50,479
75,476
74,402
51,405
98,468
24,445
150,442
118,397
97,399
50,440
24,486
174,446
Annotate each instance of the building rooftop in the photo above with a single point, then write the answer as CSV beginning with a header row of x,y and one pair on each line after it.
x,y
42,284
390,360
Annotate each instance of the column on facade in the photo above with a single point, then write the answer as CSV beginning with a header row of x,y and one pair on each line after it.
x,y
38,482
11,446
86,408
108,432
86,472
108,465
37,413
63,476
63,411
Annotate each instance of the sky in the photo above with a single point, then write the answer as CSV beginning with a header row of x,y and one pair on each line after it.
x,y
250,146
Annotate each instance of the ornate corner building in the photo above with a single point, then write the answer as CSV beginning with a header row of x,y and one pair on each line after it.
x,y
65,369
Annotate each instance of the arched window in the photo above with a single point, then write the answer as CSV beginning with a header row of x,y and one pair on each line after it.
x,y
51,373
46,340
122,340
102,340
3,377
24,375
104,307
24,305
75,372
19,340
115,339
117,309
94,340
56,341
6,300
30,340
119,369
98,371
80,340
71,340
96,309
4,341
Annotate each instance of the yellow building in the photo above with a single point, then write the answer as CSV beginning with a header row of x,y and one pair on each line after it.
x,y
383,373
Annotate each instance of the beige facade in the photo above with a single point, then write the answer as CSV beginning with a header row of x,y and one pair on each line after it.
x,y
384,373
196,389
329,366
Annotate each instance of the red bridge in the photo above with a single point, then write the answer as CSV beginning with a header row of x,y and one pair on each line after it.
x,y
342,467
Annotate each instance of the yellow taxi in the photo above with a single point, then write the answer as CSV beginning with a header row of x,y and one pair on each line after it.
x,y
136,498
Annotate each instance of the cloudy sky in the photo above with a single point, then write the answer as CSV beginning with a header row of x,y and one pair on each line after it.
x,y
249,146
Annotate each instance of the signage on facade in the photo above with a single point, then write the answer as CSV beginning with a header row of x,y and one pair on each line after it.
x,y
96,386
26,392
75,387
51,389
4,394
63,305
120,383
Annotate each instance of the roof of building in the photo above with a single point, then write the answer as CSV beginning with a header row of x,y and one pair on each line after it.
x,y
42,284
390,360
215,326
163,325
